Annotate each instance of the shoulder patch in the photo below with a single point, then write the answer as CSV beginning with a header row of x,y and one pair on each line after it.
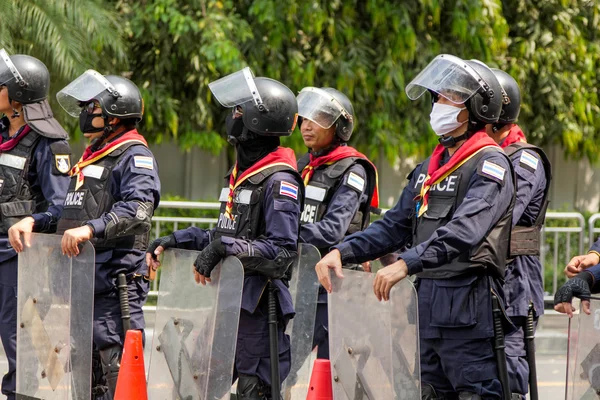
x,y
528,160
355,181
493,170
143,162
62,162
288,189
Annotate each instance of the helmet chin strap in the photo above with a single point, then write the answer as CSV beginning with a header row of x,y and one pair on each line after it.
x,y
16,113
107,131
451,141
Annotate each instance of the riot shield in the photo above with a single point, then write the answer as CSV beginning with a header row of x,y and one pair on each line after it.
x,y
583,356
374,346
304,287
193,347
54,321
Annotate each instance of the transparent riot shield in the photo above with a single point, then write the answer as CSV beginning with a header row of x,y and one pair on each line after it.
x,y
54,321
304,287
374,346
193,347
583,357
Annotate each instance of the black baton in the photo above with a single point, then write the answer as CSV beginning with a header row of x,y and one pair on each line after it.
x,y
499,347
274,342
530,350
124,300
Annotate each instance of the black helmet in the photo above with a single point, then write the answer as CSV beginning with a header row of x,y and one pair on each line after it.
x,y
345,123
124,102
269,107
486,104
278,113
26,78
118,96
512,107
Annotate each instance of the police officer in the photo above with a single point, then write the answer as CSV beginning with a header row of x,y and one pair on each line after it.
x,y
456,212
34,162
260,213
524,285
113,193
341,183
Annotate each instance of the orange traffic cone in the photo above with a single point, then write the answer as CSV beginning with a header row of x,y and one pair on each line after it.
x,y
320,381
131,383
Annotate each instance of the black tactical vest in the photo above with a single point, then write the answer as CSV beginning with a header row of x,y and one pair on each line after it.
x,y
17,198
324,182
94,198
248,219
444,198
525,238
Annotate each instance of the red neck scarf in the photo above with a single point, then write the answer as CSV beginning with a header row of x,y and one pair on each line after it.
x,y
515,135
90,157
281,156
435,174
337,154
12,142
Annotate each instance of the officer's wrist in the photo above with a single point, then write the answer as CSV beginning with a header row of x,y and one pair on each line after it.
x,y
595,253
93,231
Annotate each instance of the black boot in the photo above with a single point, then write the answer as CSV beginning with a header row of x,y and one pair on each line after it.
x,y
251,388
468,396
428,392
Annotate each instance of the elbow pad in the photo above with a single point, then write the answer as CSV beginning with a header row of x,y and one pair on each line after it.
x,y
140,224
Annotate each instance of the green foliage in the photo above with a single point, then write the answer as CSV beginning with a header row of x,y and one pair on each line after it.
x,y
369,49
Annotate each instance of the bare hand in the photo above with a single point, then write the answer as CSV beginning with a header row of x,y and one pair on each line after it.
x,y
199,278
387,277
333,260
579,263
25,227
73,237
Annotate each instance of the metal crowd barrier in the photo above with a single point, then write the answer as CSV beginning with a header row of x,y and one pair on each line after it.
x,y
559,243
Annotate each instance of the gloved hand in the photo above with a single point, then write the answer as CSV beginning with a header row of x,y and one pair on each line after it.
x,y
579,286
208,259
165,242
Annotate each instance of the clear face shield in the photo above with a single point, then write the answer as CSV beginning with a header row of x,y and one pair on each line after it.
x,y
321,107
8,71
237,88
448,76
83,89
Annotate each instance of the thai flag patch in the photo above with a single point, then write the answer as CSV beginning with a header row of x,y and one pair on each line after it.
x,y
493,170
289,190
143,162
356,181
529,159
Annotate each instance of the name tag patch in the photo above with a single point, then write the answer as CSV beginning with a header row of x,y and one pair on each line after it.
x,y
143,162
12,161
289,190
93,171
315,193
75,199
529,160
355,182
493,170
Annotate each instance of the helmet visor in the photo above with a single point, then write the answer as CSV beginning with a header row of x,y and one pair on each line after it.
x,y
448,76
320,107
235,89
83,89
8,71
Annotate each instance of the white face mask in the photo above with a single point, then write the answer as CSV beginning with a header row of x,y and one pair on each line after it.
x,y
444,118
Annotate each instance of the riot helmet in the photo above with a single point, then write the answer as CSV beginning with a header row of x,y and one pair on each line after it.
x,y
512,105
326,107
470,83
268,107
118,97
26,78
